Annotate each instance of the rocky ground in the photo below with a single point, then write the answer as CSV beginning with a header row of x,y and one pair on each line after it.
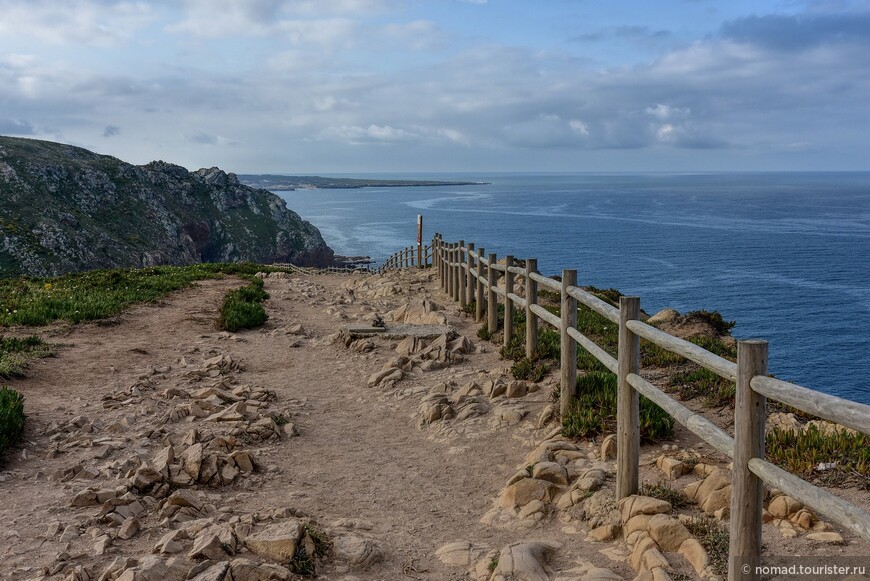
x,y
159,448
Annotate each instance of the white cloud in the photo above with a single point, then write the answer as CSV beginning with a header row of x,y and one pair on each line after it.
x,y
98,23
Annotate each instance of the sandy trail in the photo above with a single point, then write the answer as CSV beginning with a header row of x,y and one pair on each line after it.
x,y
363,463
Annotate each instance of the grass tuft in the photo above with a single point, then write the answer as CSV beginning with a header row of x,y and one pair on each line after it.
x,y
714,537
664,491
16,353
11,419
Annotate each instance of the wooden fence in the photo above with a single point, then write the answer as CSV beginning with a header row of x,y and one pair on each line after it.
x,y
411,256
469,275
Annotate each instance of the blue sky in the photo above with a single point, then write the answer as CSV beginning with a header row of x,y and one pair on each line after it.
x,y
307,86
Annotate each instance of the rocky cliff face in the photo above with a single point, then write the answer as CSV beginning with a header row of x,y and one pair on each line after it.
x,y
64,209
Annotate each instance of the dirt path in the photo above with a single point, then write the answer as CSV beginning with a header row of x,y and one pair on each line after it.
x,y
376,467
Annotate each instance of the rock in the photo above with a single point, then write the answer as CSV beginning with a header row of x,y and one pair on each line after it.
x,y
276,542
234,413
146,478
217,572
101,544
70,533
608,448
663,316
247,570
516,389
526,490
191,460
830,538
604,533
184,498
783,506
85,498
243,460
209,546
460,553
668,532
551,472
525,560
636,504
718,503
171,543
716,480
535,510
672,467
129,528
695,554
358,552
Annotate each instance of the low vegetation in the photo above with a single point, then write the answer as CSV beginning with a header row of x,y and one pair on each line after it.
x,y
829,457
715,539
99,294
243,307
664,491
15,353
594,411
11,419
304,562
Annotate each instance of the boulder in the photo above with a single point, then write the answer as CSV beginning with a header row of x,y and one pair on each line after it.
x,y
460,553
522,492
191,460
356,551
277,542
668,532
524,560
636,504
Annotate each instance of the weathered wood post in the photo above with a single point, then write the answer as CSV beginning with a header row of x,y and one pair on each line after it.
x,y
460,268
747,489
508,303
531,299
478,308
568,345
419,240
457,270
627,402
469,273
448,259
491,297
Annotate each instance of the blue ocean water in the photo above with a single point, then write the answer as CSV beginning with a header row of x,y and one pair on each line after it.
x,y
783,254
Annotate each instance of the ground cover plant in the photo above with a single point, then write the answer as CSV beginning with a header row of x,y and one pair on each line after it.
x,y
15,353
829,457
99,294
593,412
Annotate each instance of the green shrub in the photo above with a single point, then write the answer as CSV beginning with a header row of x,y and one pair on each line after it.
x,y
242,308
712,318
594,411
11,418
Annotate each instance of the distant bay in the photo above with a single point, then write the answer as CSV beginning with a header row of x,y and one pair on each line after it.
x,y
786,255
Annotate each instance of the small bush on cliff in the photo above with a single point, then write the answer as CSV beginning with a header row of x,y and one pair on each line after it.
x,y
11,419
242,307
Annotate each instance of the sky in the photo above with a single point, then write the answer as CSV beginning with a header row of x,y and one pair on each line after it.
x,y
425,86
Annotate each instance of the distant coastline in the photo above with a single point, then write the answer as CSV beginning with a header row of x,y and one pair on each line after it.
x,y
290,183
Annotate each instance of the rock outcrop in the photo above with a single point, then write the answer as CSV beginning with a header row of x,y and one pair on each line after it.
x,y
66,209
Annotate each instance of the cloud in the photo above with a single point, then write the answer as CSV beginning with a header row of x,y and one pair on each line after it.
x,y
16,127
799,32
641,33
203,138
101,23
111,131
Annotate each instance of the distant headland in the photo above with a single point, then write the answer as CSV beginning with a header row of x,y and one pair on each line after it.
x,y
289,183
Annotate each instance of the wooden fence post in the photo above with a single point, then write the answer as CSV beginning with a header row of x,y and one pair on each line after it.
x,y
478,308
469,274
508,303
568,344
531,299
627,402
747,489
448,257
456,271
491,297
460,278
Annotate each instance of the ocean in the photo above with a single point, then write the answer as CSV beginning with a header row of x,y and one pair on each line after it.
x,y
783,254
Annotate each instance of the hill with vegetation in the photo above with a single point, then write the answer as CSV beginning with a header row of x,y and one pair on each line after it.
x,y
67,209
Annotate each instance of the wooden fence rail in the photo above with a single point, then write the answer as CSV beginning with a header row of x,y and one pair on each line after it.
x,y
469,275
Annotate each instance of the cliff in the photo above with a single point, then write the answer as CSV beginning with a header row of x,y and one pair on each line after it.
x,y
64,208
